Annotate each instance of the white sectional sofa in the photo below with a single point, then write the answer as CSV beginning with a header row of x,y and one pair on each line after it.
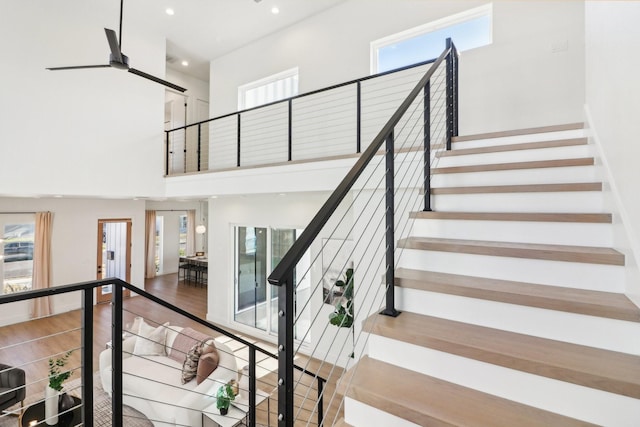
x,y
152,384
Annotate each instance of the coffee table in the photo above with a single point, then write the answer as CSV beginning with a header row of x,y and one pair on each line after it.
x,y
35,413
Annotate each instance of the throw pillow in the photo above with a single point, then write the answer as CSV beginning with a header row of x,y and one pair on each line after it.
x,y
150,340
190,365
186,338
206,365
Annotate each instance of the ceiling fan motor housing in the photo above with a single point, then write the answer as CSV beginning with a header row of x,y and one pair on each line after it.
x,y
121,65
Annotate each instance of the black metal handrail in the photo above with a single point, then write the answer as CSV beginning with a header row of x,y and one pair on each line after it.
x,y
117,329
283,274
289,100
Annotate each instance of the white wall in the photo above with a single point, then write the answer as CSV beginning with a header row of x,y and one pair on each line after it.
x,y
77,132
613,103
515,82
74,243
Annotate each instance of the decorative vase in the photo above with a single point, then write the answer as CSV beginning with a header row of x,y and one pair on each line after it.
x,y
65,402
51,406
224,411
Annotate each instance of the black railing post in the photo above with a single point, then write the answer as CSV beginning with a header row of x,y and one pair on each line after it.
x,y
320,401
238,154
184,152
252,387
87,357
390,309
167,153
427,146
449,97
359,118
116,354
454,53
290,129
285,351
199,145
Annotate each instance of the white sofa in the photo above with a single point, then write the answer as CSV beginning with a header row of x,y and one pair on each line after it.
x,y
153,384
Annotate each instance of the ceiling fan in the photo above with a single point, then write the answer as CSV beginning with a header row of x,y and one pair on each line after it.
x,y
119,60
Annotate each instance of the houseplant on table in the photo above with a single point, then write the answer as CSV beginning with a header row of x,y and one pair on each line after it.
x,y
55,400
224,396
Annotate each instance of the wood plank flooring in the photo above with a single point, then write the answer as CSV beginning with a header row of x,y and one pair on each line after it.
x,y
30,344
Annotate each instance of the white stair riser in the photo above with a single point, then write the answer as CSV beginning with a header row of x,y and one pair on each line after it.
x,y
559,233
609,334
359,414
597,277
560,175
534,137
568,399
559,202
555,153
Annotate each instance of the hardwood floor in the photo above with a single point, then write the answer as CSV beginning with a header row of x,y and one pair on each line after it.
x,y
30,344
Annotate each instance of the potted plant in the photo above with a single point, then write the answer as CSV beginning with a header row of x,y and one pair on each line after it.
x,y
56,401
224,396
342,316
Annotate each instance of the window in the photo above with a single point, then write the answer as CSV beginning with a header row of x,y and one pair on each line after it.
x,y
270,89
468,30
182,251
159,239
16,255
257,252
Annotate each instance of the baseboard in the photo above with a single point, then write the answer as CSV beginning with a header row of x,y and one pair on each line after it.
x,y
623,232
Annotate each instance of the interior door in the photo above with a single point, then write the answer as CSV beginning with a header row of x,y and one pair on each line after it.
x,y
114,254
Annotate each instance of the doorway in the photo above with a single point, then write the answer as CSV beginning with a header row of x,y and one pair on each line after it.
x,y
114,255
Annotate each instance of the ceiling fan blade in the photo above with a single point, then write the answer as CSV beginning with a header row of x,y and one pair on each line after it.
x,y
156,79
77,67
116,55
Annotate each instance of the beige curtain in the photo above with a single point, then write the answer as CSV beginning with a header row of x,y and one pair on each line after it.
x,y
42,263
150,244
191,233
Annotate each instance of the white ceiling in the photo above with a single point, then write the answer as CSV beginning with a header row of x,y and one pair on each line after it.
x,y
202,30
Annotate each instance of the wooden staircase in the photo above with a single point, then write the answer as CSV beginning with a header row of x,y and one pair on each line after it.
x,y
512,298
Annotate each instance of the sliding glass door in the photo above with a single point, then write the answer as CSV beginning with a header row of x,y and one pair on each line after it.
x,y
257,251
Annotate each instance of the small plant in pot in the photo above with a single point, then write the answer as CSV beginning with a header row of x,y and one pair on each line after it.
x,y
224,396
54,394
342,316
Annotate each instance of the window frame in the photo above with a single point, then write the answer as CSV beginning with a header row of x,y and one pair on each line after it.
x,y
438,24
265,81
15,219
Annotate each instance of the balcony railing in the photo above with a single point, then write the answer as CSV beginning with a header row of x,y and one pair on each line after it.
x,y
332,122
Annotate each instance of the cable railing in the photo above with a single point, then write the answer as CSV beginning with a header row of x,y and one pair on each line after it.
x,y
327,123
349,251
156,364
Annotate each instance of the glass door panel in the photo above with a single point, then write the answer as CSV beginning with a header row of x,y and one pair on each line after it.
x,y
251,276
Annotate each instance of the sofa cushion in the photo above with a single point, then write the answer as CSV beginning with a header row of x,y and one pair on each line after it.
x,y
150,340
185,340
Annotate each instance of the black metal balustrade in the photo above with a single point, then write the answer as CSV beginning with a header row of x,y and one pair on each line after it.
x,y
118,311
325,123
393,170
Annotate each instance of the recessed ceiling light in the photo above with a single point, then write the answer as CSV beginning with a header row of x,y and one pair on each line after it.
x,y
170,11
185,63
275,10
214,197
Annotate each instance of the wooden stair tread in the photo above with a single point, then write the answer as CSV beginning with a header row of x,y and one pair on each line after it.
x,y
584,254
581,301
522,188
429,401
536,164
601,218
596,368
341,423
513,147
518,132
